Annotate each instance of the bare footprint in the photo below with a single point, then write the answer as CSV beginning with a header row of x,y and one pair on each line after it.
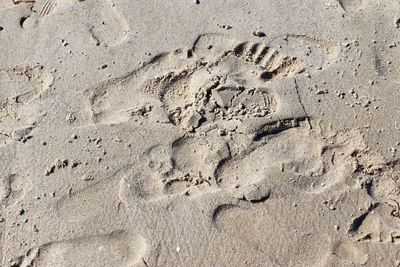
x,y
19,88
118,248
12,188
110,27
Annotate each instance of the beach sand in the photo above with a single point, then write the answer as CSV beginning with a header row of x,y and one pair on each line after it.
x,y
199,133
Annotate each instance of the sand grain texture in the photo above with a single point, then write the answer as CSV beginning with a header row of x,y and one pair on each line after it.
x,y
199,133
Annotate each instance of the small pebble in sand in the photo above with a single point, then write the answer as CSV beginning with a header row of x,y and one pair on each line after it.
x,y
70,118
259,34
366,103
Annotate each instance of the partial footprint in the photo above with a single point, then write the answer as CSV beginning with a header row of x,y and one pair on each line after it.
x,y
225,87
85,205
104,22
110,196
285,55
347,253
313,53
375,225
119,248
198,156
294,151
269,58
12,188
19,87
158,160
260,230
118,103
41,10
194,162
109,27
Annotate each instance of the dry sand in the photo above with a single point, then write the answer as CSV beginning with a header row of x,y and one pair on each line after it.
x,y
199,133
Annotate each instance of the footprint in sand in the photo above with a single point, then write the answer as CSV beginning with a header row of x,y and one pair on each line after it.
x,y
41,10
110,28
285,247
12,188
376,225
20,88
217,80
107,26
347,253
118,248
229,97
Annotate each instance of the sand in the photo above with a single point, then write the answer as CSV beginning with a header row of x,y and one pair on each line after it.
x,y
199,133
